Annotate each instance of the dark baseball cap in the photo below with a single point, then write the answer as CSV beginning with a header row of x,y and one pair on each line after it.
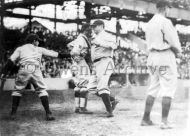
x,y
85,27
98,23
32,37
162,4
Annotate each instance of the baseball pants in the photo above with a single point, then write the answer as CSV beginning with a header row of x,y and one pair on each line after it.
x,y
30,74
163,73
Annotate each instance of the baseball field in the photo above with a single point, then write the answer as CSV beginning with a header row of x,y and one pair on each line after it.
x,y
126,122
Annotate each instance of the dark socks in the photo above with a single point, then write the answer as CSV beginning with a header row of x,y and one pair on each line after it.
x,y
107,103
45,103
166,104
15,104
148,107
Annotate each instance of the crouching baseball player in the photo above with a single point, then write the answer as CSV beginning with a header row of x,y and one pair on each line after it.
x,y
29,59
79,50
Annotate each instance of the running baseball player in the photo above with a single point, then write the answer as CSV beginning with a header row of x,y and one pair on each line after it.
x,y
79,50
163,45
29,59
102,49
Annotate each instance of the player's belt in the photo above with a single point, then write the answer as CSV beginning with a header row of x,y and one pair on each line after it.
x,y
157,50
29,67
96,60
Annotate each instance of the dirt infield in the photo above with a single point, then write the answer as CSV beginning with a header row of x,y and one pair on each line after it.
x,y
126,122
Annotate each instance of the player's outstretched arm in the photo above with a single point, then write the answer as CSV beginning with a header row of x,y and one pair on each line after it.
x,y
64,55
52,53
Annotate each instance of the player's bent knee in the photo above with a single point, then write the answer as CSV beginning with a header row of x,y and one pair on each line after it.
x,y
43,93
103,91
15,93
81,94
77,94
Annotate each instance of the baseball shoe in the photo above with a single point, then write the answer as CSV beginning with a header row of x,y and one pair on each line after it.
x,y
165,126
13,116
77,110
110,114
114,103
147,123
83,110
49,117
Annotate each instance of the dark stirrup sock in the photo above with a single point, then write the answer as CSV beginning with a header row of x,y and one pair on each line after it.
x,y
166,104
15,104
107,103
148,107
45,103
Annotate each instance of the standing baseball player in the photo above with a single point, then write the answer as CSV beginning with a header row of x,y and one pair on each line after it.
x,y
102,49
80,52
29,59
163,45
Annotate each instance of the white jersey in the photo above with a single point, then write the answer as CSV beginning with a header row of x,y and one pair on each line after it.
x,y
29,53
161,34
106,46
78,45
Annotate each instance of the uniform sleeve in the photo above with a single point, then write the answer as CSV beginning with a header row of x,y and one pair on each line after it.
x,y
77,46
105,40
15,55
171,36
47,52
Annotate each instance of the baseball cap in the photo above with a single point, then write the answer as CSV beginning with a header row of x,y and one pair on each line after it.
x,y
31,37
85,27
98,23
162,4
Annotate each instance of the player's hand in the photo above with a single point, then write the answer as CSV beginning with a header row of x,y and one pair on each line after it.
x,y
95,42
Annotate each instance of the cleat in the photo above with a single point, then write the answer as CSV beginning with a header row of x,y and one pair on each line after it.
x,y
165,126
13,116
83,111
110,114
77,110
147,123
49,117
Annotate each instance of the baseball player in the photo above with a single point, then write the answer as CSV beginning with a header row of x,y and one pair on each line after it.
x,y
102,49
29,59
79,50
163,45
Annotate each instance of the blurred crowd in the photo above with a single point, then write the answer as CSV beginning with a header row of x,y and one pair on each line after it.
x,y
123,57
183,4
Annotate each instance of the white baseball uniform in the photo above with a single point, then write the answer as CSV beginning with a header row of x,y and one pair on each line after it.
x,y
161,36
80,66
103,65
29,57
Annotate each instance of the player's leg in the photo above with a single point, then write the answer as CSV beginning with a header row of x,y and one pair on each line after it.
x,y
104,69
168,82
152,93
148,107
15,104
21,82
166,104
106,100
82,101
80,98
40,87
77,101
